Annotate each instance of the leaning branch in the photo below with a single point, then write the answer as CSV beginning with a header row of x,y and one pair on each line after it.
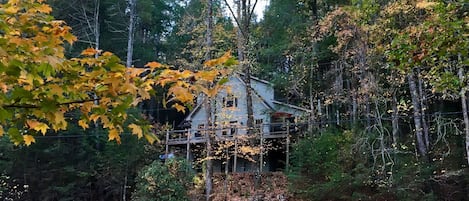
x,y
30,106
235,18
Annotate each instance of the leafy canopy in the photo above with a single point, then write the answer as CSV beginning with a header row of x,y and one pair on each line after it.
x,y
40,86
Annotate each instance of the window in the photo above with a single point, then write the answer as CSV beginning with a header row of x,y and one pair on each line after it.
x,y
198,133
230,101
259,121
225,129
233,127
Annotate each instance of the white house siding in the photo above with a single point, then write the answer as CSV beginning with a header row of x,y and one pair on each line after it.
x,y
225,118
263,106
225,115
264,90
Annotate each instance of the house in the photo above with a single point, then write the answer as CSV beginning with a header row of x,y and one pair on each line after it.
x,y
273,120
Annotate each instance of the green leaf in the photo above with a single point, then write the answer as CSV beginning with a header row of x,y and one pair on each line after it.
x,y
223,81
20,93
4,114
46,69
13,70
48,106
15,135
231,61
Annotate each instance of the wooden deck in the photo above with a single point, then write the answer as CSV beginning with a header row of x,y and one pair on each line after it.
x,y
190,137
180,137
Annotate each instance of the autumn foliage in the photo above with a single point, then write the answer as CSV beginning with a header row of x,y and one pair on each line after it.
x,y
40,85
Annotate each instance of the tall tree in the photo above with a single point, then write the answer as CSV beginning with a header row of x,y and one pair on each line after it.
x,y
131,9
243,19
208,106
84,19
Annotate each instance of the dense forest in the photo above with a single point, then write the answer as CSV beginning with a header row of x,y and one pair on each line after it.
x,y
385,82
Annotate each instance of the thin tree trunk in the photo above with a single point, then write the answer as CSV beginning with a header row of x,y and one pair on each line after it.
x,y
243,38
312,118
395,119
209,32
96,25
417,115
354,107
208,151
130,40
368,111
423,107
464,110
208,106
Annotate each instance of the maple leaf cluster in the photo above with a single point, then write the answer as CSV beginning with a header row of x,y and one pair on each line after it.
x,y
40,85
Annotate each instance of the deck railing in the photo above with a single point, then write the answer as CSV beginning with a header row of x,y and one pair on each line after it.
x,y
237,133
264,131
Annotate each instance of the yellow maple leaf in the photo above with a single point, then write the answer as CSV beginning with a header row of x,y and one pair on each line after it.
x,y
211,63
11,10
114,135
107,54
186,74
151,138
95,117
135,72
154,65
225,57
1,130
59,122
182,94
89,52
44,8
179,108
70,38
136,130
86,107
218,61
37,126
206,75
83,124
56,89
28,139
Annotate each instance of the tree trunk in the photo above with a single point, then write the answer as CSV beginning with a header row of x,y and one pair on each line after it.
x,y
395,119
96,26
243,38
208,106
354,107
423,107
417,115
130,40
208,151
312,117
464,110
209,31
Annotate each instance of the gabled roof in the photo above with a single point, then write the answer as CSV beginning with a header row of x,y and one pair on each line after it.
x,y
256,78
264,102
291,106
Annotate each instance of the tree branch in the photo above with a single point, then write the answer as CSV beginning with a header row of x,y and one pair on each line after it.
x,y
235,18
29,106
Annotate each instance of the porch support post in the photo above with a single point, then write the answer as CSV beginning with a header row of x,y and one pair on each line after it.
x,y
287,160
167,146
261,163
188,145
235,157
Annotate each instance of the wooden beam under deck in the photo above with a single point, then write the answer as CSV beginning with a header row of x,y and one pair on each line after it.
x,y
196,140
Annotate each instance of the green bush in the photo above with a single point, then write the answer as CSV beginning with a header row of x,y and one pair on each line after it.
x,y
163,181
324,168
